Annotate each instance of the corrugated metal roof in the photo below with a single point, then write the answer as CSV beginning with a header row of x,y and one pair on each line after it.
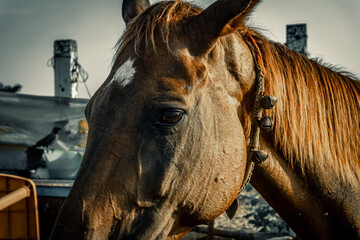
x,y
25,119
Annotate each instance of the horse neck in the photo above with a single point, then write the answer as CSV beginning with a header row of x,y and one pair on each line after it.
x,y
316,119
310,179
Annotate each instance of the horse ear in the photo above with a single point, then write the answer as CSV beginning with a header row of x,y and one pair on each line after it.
x,y
220,18
132,8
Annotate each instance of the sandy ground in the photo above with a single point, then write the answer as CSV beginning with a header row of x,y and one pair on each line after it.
x,y
253,215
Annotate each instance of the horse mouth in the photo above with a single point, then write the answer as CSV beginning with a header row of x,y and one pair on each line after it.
x,y
155,222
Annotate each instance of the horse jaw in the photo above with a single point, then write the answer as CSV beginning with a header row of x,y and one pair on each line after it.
x,y
99,217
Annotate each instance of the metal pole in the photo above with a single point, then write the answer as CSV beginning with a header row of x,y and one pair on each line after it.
x,y
14,197
210,231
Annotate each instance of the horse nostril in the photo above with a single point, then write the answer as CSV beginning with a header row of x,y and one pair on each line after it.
x,y
115,228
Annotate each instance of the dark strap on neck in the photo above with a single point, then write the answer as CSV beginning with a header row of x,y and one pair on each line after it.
x,y
256,115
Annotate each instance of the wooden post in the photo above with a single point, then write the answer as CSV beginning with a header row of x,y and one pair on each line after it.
x,y
14,197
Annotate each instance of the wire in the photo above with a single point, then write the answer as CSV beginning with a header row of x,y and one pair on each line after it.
x,y
83,74
86,87
50,62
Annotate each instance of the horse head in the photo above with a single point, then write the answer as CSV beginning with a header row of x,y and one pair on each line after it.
x,y
166,148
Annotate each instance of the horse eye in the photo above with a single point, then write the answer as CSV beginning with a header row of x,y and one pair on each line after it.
x,y
171,117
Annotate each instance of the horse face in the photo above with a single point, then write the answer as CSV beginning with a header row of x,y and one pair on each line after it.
x,y
165,151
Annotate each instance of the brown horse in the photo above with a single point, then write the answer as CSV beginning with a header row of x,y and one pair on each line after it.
x,y
167,144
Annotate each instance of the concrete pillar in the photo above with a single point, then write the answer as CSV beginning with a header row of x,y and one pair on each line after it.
x,y
65,68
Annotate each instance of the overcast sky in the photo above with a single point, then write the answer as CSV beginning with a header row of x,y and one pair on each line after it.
x,y
29,27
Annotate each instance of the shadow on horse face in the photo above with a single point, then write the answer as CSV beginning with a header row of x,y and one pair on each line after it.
x,y
166,150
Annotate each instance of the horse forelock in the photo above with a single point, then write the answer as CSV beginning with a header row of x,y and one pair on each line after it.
x,y
154,24
317,115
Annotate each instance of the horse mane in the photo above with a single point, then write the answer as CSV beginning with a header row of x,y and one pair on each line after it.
x,y
317,117
157,20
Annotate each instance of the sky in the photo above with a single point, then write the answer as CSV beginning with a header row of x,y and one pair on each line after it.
x,y
28,29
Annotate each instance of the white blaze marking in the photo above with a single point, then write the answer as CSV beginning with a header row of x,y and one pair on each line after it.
x,y
233,100
125,73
